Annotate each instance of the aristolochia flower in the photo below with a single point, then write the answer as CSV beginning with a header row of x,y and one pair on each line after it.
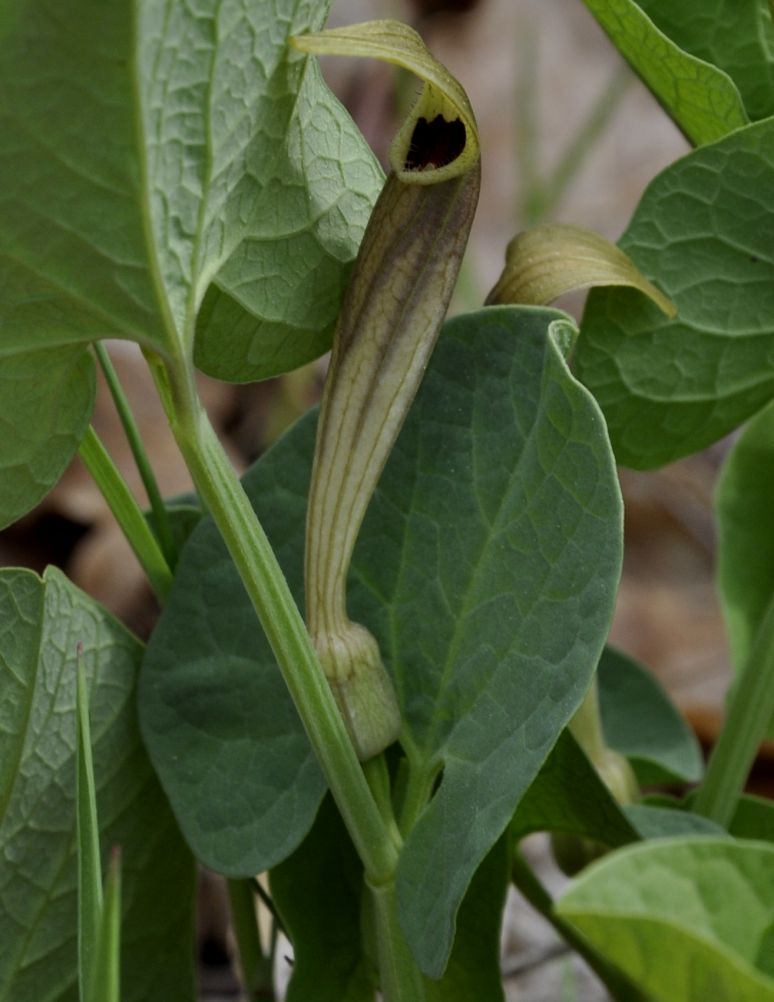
x,y
393,309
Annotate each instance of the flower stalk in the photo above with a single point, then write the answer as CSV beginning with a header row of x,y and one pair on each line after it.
x,y
395,304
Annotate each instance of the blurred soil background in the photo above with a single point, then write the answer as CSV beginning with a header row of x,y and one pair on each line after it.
x,y
568,134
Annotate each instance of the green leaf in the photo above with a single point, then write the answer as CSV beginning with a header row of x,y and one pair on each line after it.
x,y
639,720
46,400
669,388
183,144
568,796
214,709
473,971
486,568
232,343
87,833
702,99
44,622
318,892
691,920
666,822
744,501
753,819
106,979
735,35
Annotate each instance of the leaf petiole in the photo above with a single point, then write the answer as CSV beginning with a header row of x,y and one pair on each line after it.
x,y
749,716
124,507
144,468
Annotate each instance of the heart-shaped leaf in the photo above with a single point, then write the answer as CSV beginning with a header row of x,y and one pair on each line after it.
x,y
639,721
735,35
487,566
701,98
568,797
214,709
182,145
669,388
46,623
693,921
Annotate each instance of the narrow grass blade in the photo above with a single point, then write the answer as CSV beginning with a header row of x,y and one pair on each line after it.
x,y
105,980
89,866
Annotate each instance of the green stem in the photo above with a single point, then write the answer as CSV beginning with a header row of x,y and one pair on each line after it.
x,y
132,432
749,715
418,789
400,978
127,512
378,778
257,973
586,724
266,899
254,559
527,883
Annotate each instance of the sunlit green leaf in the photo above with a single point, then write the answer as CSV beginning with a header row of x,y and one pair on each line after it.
x,y
684,918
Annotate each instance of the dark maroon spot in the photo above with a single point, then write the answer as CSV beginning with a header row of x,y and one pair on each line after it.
x,y
434,144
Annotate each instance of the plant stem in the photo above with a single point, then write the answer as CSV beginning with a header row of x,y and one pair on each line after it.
x,y
90,897
400,978
749,715
419,787
127,512
132,432
278,614
256,967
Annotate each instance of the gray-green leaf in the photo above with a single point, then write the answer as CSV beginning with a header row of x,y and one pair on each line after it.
x,y
701,98
46,400
44,622
639,721
487,567
215,712
701,232
318,892
567,796
691,922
